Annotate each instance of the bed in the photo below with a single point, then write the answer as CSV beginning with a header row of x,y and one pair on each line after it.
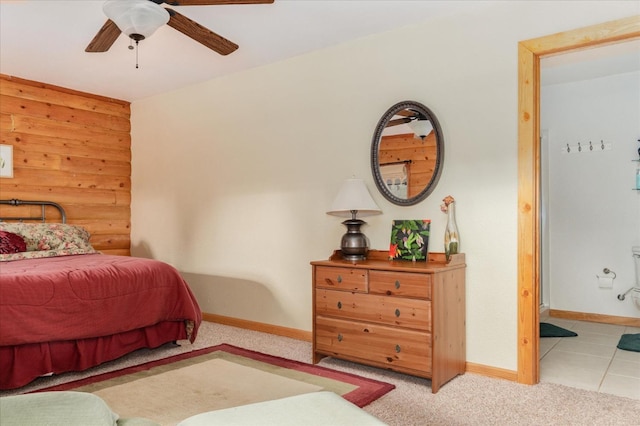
x,y
66,307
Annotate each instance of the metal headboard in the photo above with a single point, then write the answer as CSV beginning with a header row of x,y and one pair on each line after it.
x,y
42,204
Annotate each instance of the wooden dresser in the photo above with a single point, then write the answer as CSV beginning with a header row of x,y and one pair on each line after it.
x,y
403,316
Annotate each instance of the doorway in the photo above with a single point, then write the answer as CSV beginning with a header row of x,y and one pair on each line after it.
x,y
529,54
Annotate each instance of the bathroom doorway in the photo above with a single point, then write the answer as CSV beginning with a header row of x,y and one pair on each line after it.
x,y
529,54
589,109
589,104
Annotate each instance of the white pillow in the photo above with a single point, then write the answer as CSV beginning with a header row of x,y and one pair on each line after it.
x,y
56,408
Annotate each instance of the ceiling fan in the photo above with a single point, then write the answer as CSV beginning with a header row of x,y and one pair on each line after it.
x,y
138,19
408,115
419,124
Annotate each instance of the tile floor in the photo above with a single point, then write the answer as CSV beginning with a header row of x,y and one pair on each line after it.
x,y
591,360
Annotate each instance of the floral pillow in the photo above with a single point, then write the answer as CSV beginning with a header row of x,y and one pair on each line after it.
x,y
11,243
48,239
43,253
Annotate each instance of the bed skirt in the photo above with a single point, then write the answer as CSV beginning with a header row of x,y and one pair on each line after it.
x,y
21,364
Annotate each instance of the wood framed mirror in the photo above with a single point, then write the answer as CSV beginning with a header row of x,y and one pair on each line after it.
x,y
407,153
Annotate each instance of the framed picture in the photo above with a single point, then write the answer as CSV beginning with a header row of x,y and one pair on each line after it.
x,y
6,161
410,240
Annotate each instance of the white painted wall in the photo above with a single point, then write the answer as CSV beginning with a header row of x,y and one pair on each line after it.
x,y
593,211
232,177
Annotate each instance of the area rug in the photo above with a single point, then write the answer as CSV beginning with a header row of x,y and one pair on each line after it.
x,y
223,376
551,330
629,342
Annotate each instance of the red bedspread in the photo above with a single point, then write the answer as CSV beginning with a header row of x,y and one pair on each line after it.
x,y
93,295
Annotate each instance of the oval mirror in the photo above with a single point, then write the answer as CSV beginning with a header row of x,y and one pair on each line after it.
x,y
407,153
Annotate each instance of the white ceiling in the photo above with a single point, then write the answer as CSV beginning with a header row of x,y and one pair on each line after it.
x,y
595,62
44,40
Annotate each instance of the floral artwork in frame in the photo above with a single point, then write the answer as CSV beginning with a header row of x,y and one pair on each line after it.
x,y
409,240
6,161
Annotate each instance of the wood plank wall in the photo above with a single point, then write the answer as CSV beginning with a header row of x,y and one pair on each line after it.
x,y
72,148
420,155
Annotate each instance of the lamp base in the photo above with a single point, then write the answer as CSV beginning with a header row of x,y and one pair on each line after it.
x,y
354,244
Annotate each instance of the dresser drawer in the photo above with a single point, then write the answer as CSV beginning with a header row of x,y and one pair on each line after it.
x,y
393,311
385,346
350,279
400,284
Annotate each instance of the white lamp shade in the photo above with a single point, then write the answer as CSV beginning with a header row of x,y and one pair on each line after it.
x,y
421,128
354,195
142,17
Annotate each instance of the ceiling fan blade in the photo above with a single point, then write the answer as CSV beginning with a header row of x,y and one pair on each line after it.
x,y
213,2
397,122
105,38
200,34
407,113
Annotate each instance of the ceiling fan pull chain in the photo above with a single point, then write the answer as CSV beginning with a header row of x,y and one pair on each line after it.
x,y
136,54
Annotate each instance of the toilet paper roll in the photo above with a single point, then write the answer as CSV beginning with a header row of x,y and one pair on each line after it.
x,y
605,282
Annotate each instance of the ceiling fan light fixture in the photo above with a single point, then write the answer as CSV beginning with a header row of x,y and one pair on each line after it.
x,y
421,128
138,19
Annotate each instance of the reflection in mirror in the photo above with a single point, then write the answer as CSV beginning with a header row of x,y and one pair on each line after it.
x,y
407,153
395,176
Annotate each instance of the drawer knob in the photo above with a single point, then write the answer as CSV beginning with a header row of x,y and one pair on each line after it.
x,y
339,305
397,284
339,337
339,278
397,312
398,348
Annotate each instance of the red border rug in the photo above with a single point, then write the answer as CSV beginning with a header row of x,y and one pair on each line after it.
x,y
367,390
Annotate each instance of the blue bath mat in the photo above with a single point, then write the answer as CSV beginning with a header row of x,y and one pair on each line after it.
x,y
550,330
630,342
